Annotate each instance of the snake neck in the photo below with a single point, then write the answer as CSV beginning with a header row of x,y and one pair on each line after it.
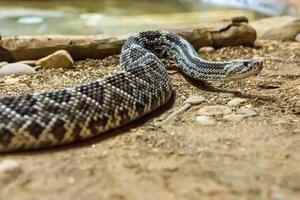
x,y
158,43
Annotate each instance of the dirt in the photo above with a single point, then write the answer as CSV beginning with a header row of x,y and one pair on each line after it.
x,y
256,158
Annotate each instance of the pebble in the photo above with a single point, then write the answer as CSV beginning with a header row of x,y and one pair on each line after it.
x,y
10,81
270,85
3,63
10,167
194,100
205,120
240,19
234,117
298,88
59,59
236,102
217,110
278,196
226,95
246,111
206,50
17,68
29,62
297,38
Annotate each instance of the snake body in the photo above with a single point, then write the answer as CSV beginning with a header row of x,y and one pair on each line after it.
x,y
142,85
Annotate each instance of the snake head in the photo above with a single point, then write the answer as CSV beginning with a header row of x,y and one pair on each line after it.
x,y
240,69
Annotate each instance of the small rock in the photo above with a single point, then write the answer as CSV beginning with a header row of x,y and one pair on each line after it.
x,y
234,117
16,68
194,100
278,196
206,120
3,63
217,110
298,88
270,85
226,95
246,111
29,62
206,50
11,167
236,102
297,38
59,59
10,81
240,19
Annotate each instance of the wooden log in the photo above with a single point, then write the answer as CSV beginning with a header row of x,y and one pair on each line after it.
x,y
17,48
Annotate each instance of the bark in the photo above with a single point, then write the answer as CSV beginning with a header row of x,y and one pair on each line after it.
x,y
17,48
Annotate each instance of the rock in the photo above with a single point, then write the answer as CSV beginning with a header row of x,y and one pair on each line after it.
x,y
217,110
10,81
16,68
205,120
277,28
270,85
240,19
236,102
3,63
234,117
246,111
194,100
9,167
29,62
278,196
59,59
206,50
297,38
226,95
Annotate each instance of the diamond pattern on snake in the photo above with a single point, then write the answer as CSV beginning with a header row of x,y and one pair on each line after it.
x,y
142,85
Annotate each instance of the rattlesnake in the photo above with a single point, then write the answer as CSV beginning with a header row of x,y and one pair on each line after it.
x,y
142,85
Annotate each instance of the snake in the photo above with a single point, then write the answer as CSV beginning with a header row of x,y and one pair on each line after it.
x,y
141,85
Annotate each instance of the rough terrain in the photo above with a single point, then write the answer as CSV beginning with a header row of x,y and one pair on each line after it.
x,y
256,158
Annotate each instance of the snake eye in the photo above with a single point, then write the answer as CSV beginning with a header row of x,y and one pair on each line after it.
x,y
246,64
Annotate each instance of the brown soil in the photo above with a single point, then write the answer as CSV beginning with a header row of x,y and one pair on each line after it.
x,y
257,158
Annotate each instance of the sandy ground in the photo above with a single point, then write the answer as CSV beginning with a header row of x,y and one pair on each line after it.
x,y
257,158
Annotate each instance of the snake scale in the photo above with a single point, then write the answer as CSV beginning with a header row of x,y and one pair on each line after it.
x,y
142,85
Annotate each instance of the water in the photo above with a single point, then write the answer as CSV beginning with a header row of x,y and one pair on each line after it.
x,y
107,16
271,7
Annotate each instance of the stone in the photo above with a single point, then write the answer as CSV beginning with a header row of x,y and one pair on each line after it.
x,y
246,111
297,38
240,19
10,167
217,110
29,62
277,28
206,50
17,69
59,59
278,196
10,81
270,85
236,102
205,120
234,117
3,63
194,100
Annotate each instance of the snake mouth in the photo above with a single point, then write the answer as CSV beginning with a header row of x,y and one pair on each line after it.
x,y
247,69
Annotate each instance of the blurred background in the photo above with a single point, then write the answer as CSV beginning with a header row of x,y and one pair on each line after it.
x,y
31,17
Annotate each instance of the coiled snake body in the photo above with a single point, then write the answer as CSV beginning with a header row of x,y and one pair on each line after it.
x,y
54,118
